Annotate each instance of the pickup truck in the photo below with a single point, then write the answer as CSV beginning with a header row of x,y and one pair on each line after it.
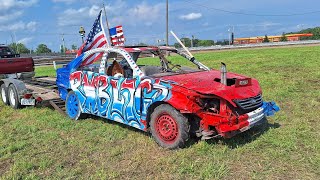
x,y
12,63
15,71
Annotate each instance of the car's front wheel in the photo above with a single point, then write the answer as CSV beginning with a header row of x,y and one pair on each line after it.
x,y
169,128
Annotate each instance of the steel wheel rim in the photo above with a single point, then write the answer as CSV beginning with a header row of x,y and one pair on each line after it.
x,y
73,106
167,128
12,97
3,95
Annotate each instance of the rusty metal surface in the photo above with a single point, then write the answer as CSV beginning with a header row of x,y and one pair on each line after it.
x,y
58,105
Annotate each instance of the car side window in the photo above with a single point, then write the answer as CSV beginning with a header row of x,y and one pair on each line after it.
x,y
117,66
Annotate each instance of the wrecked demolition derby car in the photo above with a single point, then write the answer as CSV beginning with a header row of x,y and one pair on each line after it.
x,y
167,100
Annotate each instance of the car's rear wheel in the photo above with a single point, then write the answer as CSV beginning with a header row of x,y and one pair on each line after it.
x,y
13,97
4,94
73,108
169,128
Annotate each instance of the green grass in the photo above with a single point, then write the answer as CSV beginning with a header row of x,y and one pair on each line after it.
x,y
38,142
46,71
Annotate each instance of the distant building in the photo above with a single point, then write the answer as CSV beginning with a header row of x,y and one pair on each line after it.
x,y
72,51
259,39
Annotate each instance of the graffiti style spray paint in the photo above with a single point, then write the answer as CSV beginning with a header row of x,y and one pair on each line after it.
x,y
120,99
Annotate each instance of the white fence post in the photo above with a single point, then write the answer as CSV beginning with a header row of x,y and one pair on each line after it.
x,y
54,65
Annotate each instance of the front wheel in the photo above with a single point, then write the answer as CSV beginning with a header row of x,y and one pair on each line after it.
x,y
73,108
4,94
169,128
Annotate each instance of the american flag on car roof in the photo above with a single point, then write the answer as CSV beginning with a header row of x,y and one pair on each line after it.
x,y
96,39
117,36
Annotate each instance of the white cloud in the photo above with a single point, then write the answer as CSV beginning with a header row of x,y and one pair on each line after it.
x,y
8,4
191,16
11,11
94,10
64,1
142,13
78,16
145,12
30,26
25,40
10,16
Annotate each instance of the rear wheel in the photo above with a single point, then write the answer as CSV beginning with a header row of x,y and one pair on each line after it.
x,y
73,108
169,128
4,94
13,97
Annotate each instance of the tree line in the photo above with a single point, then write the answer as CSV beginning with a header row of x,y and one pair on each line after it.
x,y
41,48
315,31
194,42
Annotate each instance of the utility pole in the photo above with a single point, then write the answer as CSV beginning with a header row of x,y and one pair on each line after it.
x,y
167,27
63,44
232,36
192,37
105,14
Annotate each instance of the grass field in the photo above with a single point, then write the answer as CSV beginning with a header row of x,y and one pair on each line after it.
x,y
39,142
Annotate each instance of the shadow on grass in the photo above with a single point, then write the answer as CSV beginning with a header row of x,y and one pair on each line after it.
x,y
115,123
233,143
247,136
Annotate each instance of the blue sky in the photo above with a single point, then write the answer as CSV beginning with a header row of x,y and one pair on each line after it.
x,y
44,21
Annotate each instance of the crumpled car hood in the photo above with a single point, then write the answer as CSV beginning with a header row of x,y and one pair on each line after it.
x,y
203,83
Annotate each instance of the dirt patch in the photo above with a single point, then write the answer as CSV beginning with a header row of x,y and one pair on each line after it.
x,y
5,165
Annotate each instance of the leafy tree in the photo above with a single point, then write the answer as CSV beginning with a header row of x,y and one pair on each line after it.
x,y
266,39
74,47
196,42
186,42
283,37
206,43
222,42
142,44
315,31
42,48
19,48
63,50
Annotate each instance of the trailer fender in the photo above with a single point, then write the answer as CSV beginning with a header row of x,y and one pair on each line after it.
x,y
19,85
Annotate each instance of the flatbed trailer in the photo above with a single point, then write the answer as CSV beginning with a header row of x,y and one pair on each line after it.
x,y
36,91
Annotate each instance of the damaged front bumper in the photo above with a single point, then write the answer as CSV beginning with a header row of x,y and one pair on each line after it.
x,y
256,116
244,121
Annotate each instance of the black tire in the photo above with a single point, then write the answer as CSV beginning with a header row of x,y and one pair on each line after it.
x,y
169,128
4,94
13,97
73,109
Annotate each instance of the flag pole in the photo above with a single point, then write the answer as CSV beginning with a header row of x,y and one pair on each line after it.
x,y
105,14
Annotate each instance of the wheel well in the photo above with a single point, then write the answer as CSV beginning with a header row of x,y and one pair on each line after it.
x,y
151,109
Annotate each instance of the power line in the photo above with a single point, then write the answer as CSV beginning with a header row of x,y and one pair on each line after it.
x,y
251,14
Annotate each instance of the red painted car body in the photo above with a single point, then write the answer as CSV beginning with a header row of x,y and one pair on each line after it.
x,y
190,88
